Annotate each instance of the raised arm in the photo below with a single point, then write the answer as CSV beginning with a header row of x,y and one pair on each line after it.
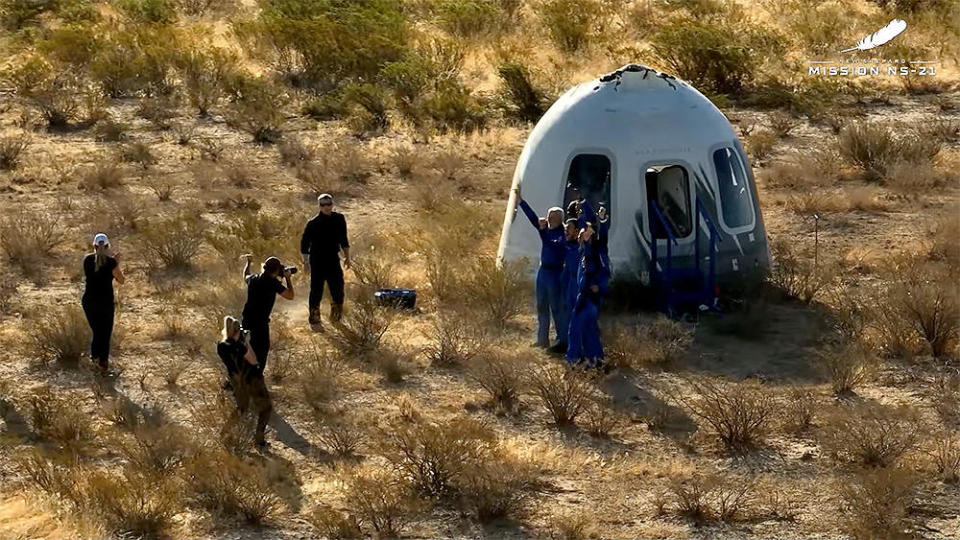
x,y
531,215
345,245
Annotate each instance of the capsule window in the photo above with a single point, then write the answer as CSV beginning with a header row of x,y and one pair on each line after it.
x,y
589,175
736,204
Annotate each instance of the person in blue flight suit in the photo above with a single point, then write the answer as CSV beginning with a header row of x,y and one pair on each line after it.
x,y
583,342
549,290
568,281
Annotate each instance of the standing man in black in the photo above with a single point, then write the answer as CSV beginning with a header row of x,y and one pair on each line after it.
x,y
262,291
324,237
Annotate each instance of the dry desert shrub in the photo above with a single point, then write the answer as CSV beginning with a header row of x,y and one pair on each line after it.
x,y
57,419
519,97
60,334
571,24
225,484
760,144
944,450
107,174
799,410
782,123
434,454
138,153
847,366
375,270
159,111
944,245
573,525
8,290
162,185
600,417
407,158
455,340
817,168
381,501
362,327
798,276
739,414
496,487
28,238
259,111
338,168
872,434
293,152
499,290
659,342
54,476
876,503
160,449
261,234
176,240
342,433
930,300
703,498
11,147
875,148
565,392
500,375
332,523
205,70
133,503
58,95
321,380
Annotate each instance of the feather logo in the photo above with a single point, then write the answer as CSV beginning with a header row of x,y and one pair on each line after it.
x,y
881,36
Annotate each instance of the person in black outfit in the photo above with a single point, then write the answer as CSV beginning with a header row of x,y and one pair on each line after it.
x,y
262,291
324,237
100,268
245,376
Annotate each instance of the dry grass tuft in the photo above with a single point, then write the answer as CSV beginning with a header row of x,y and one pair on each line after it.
x,y
175,241
454,340
739,414
847,366
28,238
225,484
600,417
876,148
797,276
497,488
658,342
703,498
342,433
11,147
433,454
565,392
321,380
363,326
944,451
876,503
60,334
500,291
501,376
872,434
133,503
381,501
58,420
799,410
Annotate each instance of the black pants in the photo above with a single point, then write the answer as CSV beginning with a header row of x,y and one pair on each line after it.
x,y
100,318
325,271
259,341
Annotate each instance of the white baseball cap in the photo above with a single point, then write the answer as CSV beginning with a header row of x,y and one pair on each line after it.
x,y
101,238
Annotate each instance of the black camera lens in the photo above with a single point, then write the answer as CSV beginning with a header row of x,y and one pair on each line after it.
x,y
291,269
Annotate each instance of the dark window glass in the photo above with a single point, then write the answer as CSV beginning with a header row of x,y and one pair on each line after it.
x,y
735,202
590,174
669,187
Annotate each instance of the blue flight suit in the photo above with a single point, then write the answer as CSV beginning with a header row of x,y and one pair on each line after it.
x,y
549,289
583,341
568,279
602,229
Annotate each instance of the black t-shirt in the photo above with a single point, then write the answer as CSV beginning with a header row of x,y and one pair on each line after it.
x,y
262,291
324,236
232,353
99,283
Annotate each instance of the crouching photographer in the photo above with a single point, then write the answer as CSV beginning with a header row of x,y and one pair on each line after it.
x,y
245,376
262,291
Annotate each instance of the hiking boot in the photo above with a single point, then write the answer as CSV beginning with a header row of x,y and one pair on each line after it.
x,y
336,312
558,348
315,315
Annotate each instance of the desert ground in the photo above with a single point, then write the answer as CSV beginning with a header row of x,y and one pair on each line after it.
x,y
825,403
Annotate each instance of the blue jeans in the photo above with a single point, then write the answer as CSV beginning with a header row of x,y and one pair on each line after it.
x,y
584,339
549,302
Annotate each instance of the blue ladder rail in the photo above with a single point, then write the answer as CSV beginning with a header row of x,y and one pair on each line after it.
x,y
665,277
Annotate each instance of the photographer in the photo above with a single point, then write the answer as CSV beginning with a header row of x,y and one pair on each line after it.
x,y
262,291
324,237
245,376
100,268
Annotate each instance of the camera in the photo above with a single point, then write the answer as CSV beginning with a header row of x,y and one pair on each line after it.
x,y
245,336
291,269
